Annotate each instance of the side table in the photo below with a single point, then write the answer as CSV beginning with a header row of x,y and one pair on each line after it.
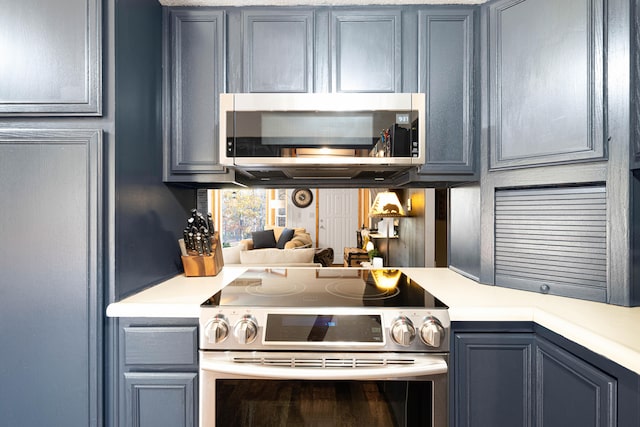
x,y
354,256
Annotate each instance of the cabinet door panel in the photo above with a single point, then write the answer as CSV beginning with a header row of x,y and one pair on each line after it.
x,y
196,56
366,49
278,51
161,399
164,345
49,297
157,379
571,392
446,77
51,57
492,379
546,82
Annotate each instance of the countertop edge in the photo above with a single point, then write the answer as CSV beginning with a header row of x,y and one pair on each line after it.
x,y
181,297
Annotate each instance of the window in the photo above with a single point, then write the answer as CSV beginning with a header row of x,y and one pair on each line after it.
x,y
247,210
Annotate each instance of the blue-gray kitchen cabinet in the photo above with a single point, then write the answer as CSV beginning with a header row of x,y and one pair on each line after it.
x,y
277,50
158,372
635,87
446,75
208,51
522,374
371,50
570,391
546,82
556,108
315,50
51,58
366,50
160,399
194,76
51,293
492,375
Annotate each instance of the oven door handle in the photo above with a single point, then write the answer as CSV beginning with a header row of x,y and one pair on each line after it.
x,y
423,366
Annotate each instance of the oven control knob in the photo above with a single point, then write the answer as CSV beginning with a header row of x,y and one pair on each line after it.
x,y
246,330
432,332
402,331
217,329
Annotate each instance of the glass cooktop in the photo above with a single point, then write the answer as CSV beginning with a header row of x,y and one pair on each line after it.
x,y
323,287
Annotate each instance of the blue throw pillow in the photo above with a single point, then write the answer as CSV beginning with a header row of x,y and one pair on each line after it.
x,y
263,239
285,236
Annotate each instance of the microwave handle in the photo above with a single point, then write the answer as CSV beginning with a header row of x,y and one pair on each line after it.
x,y
426,365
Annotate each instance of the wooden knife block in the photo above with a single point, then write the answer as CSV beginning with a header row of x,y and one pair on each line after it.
x,y
204,265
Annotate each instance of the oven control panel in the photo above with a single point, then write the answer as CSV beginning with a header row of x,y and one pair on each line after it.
x,y
300,329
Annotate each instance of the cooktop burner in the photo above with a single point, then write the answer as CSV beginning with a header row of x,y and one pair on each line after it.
x,y
323,287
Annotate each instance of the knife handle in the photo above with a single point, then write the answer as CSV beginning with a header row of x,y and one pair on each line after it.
x,y
199,244
210,223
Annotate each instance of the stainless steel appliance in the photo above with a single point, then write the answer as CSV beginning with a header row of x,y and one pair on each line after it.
x,y
327,346
321,135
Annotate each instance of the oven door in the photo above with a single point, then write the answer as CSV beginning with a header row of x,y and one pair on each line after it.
x,y
298,389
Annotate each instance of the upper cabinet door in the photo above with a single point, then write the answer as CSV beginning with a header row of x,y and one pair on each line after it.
x,y
50,58
546,82
445,51
194,56
277,51
366,50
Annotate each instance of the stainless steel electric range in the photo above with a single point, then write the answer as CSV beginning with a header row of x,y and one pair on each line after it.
x,y
330,332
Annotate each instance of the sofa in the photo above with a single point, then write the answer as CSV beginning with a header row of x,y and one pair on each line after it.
x,y
292,248
291,239
273,246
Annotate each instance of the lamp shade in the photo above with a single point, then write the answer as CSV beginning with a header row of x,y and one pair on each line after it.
x,y
386,204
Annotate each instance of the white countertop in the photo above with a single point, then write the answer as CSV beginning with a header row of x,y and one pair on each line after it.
x,y
608,330
179,296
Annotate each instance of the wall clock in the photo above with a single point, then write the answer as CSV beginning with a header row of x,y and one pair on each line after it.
x,y
302,197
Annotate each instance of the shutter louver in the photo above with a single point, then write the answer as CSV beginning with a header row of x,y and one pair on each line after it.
x,y
555,237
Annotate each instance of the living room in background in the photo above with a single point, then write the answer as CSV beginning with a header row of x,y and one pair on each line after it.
x,y
415,247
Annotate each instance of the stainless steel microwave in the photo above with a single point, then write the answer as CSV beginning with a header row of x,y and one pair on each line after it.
x,y
322,130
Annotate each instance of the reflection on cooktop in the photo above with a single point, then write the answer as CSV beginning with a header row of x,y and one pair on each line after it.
x,y
347,289
327,287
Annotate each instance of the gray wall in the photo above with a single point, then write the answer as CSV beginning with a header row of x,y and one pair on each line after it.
x,y
464,230
149,215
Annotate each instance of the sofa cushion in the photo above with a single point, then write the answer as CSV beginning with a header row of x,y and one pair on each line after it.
x,y
263,239
231,254
273,256
285,236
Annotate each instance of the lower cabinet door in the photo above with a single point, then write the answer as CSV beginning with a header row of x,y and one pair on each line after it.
x,y
492,379
571,392
161,399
